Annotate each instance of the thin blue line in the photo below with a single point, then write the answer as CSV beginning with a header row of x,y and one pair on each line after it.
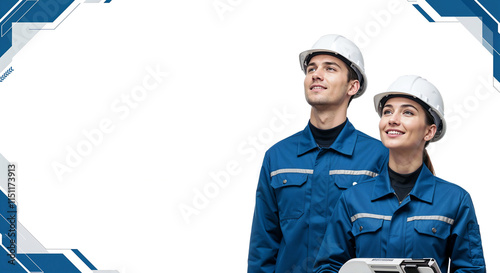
x,y
85,260
423,13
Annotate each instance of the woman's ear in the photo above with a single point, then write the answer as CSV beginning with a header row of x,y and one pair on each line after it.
x,y
431,131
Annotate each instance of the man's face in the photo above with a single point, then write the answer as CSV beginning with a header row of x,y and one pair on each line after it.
x,y
326,84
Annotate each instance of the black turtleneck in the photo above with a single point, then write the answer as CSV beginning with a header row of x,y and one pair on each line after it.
x,y
325,138
403,183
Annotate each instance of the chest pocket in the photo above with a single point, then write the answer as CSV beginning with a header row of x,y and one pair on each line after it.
x,y
431,238
367,232
290,194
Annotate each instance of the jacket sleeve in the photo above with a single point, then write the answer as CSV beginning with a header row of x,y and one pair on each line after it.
x,y
466,248
266,233
338,244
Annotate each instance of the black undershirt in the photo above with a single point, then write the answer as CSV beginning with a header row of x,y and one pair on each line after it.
x,y
403,183
325,138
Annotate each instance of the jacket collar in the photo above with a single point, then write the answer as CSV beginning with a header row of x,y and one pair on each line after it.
x,y
345,142
423,189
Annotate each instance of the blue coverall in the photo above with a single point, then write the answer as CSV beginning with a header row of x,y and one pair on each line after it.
x,y
436,220
298,188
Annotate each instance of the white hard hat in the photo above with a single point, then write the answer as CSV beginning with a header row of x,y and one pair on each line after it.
x,y
423,92
341,47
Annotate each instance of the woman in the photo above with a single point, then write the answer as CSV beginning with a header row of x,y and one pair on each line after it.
x,y
406,211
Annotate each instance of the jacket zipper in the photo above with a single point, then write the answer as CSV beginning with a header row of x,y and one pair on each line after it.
x,y
401,199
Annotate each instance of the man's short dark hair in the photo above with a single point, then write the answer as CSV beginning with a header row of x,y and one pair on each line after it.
x,y
351,74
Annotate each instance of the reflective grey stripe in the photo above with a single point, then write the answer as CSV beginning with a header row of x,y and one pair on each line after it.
x,y
352,172
432,217
369,215
306,171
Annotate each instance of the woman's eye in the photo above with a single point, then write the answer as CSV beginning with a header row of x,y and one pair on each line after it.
x,y
408,113
386,112
311,69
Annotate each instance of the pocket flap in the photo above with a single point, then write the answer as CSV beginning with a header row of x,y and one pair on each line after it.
x,y
288,180
433,228
345,182
347,178
365,225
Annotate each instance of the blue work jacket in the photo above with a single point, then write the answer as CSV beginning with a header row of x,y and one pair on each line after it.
x,y
299,185
436,220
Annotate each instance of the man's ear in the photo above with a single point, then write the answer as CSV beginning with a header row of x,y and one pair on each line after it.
x,y
353,87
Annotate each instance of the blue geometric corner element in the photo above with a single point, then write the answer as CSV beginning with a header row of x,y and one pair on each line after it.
x,y
486,11
35,15
47,262
15,16
20,252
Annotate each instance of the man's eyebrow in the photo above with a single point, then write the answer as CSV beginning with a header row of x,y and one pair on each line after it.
x,y
325,63
332,63
311,64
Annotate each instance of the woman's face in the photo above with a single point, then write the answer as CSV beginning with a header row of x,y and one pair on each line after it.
x,y
403,125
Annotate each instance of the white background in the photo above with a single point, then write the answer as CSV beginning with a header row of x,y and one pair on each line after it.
x,y
230,73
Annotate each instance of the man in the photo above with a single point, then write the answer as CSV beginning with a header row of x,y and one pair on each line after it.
x,y
303,176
